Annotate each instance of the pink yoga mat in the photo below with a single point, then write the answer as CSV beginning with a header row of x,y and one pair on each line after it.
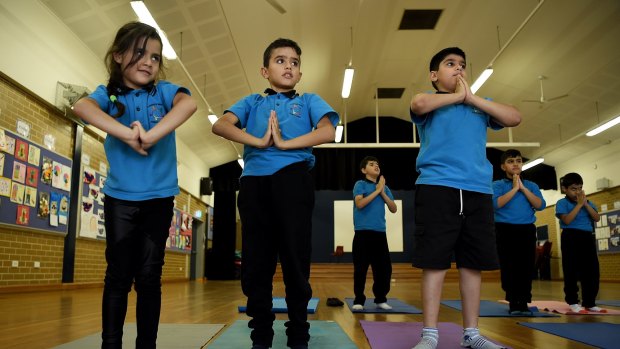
x,y
562,308
405,335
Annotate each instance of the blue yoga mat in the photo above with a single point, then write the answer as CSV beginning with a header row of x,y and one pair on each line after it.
x,y
323,334
398,307
613,303
495,309
598,334
279,305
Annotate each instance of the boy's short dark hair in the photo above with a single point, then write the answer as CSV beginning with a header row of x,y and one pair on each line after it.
x,y
277,44
439,56
570,179
510,153
366,160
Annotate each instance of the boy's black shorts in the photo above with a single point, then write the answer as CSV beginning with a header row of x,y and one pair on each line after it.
x,y
452,222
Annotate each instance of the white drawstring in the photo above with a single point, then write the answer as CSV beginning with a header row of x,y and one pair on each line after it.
x,y
461,195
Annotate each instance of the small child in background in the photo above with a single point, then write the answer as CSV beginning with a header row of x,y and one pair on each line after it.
x,y
515,200
577,216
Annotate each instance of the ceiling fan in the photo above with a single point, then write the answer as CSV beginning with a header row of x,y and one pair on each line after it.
x,y
542,99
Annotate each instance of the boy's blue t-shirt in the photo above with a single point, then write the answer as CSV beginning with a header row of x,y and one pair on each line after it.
x,y
132,176
372,216
582,220
518,210
453,148
297,116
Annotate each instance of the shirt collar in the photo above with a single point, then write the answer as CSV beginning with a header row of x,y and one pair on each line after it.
x,y
290,94
368,180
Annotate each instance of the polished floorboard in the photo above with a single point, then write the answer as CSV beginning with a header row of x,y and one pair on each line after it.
x,y
45,319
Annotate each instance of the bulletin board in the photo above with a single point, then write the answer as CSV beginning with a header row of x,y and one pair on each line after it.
x,y
35,185
92,217
180,234
607,232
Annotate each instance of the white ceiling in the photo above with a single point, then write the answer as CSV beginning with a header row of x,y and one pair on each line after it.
x,y
574,43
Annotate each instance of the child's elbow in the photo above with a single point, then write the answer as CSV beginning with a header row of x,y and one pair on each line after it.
x,y
514,119
418,105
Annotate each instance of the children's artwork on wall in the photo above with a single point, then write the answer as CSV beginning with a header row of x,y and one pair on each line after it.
x,y
23,215
32,176
93,192
19,172
89,228
5,187
89,176
180,232
87,205
46,171
2,156
17,193
101,231
56,174
63,209
2,141
21,150
66,178
44,205
34,155
102,182
54,202
101,215
10,144
30,197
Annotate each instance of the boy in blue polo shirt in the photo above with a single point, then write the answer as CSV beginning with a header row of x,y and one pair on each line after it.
x,y
370,246
578,244
276,193
453,203
515,200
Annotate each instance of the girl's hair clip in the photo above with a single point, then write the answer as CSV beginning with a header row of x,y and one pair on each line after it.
x,y
113,98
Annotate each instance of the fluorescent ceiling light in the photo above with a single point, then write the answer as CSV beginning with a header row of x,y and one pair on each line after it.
x,y
339,130
241,163
481,79
145,17
532,163
212,118
348,81
611,123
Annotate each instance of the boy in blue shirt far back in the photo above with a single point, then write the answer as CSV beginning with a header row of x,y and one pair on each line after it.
x,y
578,245
515,200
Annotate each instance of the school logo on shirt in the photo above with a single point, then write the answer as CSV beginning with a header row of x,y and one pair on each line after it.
x,y
156,112
296,109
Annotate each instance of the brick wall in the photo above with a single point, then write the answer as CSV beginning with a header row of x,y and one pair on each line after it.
x,y
26,247
609,263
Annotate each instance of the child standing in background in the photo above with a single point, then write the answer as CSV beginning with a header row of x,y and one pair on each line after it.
x,y
515,200
139,115
370,246
577,216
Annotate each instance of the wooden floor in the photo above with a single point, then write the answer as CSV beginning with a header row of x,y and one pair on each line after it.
x,y
49,318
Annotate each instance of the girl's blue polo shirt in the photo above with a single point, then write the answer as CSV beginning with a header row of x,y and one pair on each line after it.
x,y
453,148
372,216
132,176
518,210
297,116
582,220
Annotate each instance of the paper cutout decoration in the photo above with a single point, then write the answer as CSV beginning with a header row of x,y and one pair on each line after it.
x,y
5,187
46,171
32,176
23,215
30,197
17,193
21,150
87,205
19,172
2,156
66,178
10,144
44,205
89,176
56,174
2,141
63,209
54,202
88,227
34,155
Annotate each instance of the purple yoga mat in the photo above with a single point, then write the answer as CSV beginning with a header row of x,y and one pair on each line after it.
x,y
405,335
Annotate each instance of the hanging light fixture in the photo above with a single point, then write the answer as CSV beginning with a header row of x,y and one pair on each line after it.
x,y
486,74
532,163
339,131
212,117
145,17
347,82
609,124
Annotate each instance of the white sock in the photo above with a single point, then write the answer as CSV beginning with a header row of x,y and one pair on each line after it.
x,y
429,340
472,339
